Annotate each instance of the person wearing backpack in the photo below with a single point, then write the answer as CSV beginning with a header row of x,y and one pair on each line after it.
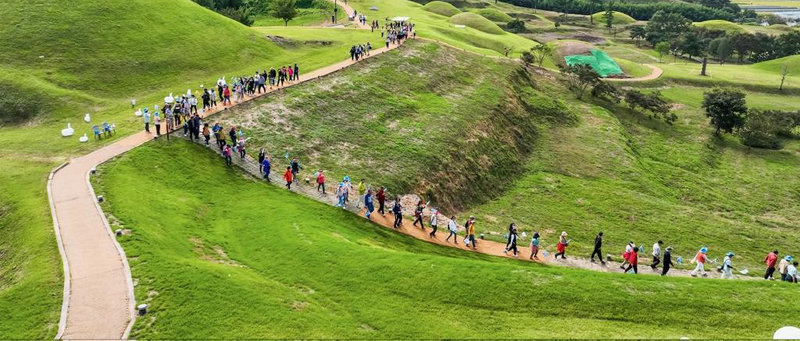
x,y
453,229
226,152
266,167
727,267
381,200
295,168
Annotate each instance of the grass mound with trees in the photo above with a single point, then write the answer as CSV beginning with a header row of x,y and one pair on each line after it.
x,y
477,22
441,8
792,63
422,109
619,18
721,25
494,15
253,260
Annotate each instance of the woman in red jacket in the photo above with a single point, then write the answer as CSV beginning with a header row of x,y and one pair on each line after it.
x,y
633,261
288,176
321,181
381,201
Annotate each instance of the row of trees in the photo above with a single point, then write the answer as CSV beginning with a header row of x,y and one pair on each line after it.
x,y
728,113
697,10
244,10
673,33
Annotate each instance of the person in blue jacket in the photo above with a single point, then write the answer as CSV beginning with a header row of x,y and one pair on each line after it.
x,y
265,166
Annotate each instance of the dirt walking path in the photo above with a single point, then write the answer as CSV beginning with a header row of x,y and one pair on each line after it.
x,y
98,298
655,72
351,12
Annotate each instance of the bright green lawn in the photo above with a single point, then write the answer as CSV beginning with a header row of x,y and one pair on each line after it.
x,y
317,13
218,254
438,27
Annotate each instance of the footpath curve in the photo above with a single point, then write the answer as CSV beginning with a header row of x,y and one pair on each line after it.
x,y
655,72
98,298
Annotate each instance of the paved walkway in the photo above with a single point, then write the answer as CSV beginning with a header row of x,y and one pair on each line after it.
x,y
99,303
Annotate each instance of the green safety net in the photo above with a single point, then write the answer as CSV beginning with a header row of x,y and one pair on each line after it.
x,y
601,62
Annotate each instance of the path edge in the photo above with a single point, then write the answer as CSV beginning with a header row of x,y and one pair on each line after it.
x,y
126,268
62,321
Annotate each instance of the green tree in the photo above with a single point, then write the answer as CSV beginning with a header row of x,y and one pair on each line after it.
x,y
593,5
516,26
726,108
761,129
692,45
579,78
284,9
721,49
541,52
666,27
638,33
663,49
527,58
608,16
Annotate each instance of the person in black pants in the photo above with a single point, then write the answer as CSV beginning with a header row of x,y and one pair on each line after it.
x,y
667,263
598,243
511,245
397,209
418,215
261,156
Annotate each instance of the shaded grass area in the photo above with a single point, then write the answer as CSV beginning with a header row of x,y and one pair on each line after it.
x,y
309,13
218,254
425,118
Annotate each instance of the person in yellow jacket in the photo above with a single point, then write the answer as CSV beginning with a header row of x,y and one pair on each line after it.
x,y
469,226
362,191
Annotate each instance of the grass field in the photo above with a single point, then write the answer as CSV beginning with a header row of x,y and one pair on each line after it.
x,y
220,255
618,19
441,8
494,15
413,125
721,25
437,27
95,57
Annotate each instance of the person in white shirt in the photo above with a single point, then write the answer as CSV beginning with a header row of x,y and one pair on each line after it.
x,y
727,267
791,274
656,255
434,222
453,229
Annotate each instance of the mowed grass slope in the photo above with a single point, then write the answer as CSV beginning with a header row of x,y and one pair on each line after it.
x,y
425,119
218,254
95,56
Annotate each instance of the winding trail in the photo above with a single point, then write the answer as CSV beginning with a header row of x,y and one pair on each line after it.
x,y
98,298
655,72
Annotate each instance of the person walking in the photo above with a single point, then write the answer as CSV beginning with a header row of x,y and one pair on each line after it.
x,y
470,229
287,175
598,244
296,72
381,200
667,261
783,266
362,190
561,247
727,267
534,246
792,273
157,121
770,261
321,181
452,228
656,255
418,215
700,259
146,116
628,250
266,167
226,152
368,204
511,245
341,194
295,168
261,156
434,222
206,133
397,210
633,261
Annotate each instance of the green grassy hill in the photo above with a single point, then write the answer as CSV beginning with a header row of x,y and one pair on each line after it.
x,y
441,8
266,263
62,59
619,18
422,118
477,22
494,15
776,65
721,25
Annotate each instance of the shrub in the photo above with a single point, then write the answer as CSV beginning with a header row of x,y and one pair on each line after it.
x,y
516,26
761,129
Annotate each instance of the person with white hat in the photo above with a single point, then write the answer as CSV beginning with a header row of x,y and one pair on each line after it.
x,y
727,266
700,259
561,247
